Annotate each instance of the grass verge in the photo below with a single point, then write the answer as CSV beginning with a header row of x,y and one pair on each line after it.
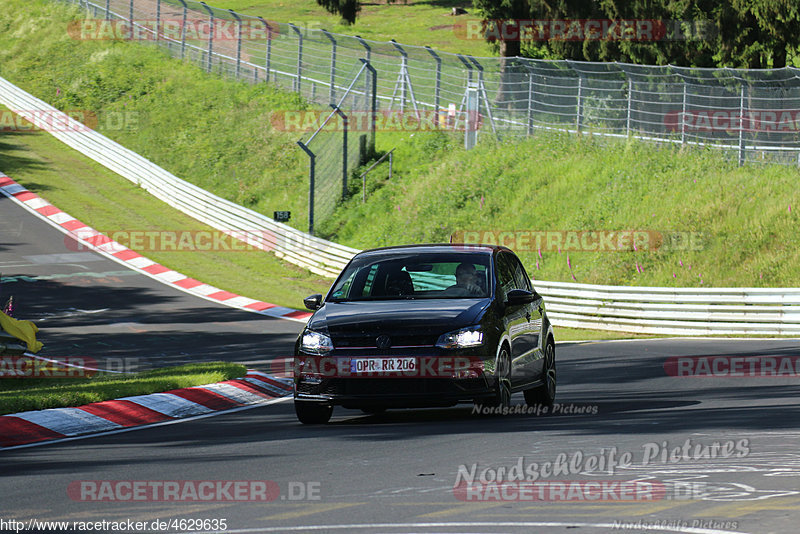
x,y
25,394
408,22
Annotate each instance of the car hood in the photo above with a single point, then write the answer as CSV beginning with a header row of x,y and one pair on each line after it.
x,y
414,322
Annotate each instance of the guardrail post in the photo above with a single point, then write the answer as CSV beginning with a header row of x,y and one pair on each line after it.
x,y
741,126
183,29
333,66
437,86
238,41
269,50
312,164
628,117
210,35
344,149
299,56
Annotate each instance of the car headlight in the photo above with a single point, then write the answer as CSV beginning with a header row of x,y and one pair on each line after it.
x,y
316,343
461,339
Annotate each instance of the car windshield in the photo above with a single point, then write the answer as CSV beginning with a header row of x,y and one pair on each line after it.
x,y
444,275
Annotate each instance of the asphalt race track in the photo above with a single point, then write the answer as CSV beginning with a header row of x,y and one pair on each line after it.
x,y
631,448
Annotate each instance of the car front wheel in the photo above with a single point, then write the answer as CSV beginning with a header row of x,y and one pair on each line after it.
x,y
313,413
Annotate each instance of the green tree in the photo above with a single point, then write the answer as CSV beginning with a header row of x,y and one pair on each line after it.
x,y
701,33
348,9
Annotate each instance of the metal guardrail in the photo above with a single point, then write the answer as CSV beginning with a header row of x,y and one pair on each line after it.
x,y
647,310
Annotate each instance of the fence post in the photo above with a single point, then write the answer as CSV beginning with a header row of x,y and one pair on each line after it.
x,y
158,20
238,41
683,115
269,48
344,149
333,66
438,85
466,89
366,83
210,33
108,9
299,56
373,105
628,117
183,29
530,103
482,91
741,126
130,17
403,75
578,108
311,166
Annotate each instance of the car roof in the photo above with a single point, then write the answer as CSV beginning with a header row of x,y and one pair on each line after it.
x,y
434,247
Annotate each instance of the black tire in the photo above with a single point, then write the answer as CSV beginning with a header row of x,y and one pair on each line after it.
x,y
503,379
545,394
313,413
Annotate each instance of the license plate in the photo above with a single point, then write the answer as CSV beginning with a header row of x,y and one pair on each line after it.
x,y
382,365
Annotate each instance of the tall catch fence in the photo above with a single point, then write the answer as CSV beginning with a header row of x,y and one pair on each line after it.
x,y
753,115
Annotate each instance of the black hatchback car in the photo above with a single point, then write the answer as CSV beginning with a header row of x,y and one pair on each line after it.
x,y
425,326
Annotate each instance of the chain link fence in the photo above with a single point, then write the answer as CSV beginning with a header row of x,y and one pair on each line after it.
x,y
754,115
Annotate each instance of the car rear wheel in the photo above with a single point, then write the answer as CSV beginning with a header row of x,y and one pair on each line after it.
x,y
545,394
313,413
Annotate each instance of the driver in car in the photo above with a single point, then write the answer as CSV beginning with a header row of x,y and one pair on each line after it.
x,y
467,284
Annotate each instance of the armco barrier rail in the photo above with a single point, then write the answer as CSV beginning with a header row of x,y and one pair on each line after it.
x,y
648,310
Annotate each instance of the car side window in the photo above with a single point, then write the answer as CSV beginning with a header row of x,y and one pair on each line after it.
x,y
520,276
505,275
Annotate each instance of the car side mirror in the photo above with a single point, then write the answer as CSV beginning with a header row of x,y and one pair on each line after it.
x,y
516,297
536,296
313,302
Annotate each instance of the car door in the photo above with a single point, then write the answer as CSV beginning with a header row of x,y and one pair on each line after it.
x,y
515,319
531,360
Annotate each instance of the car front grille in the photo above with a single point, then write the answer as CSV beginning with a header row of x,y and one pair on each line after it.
x,y
392,386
